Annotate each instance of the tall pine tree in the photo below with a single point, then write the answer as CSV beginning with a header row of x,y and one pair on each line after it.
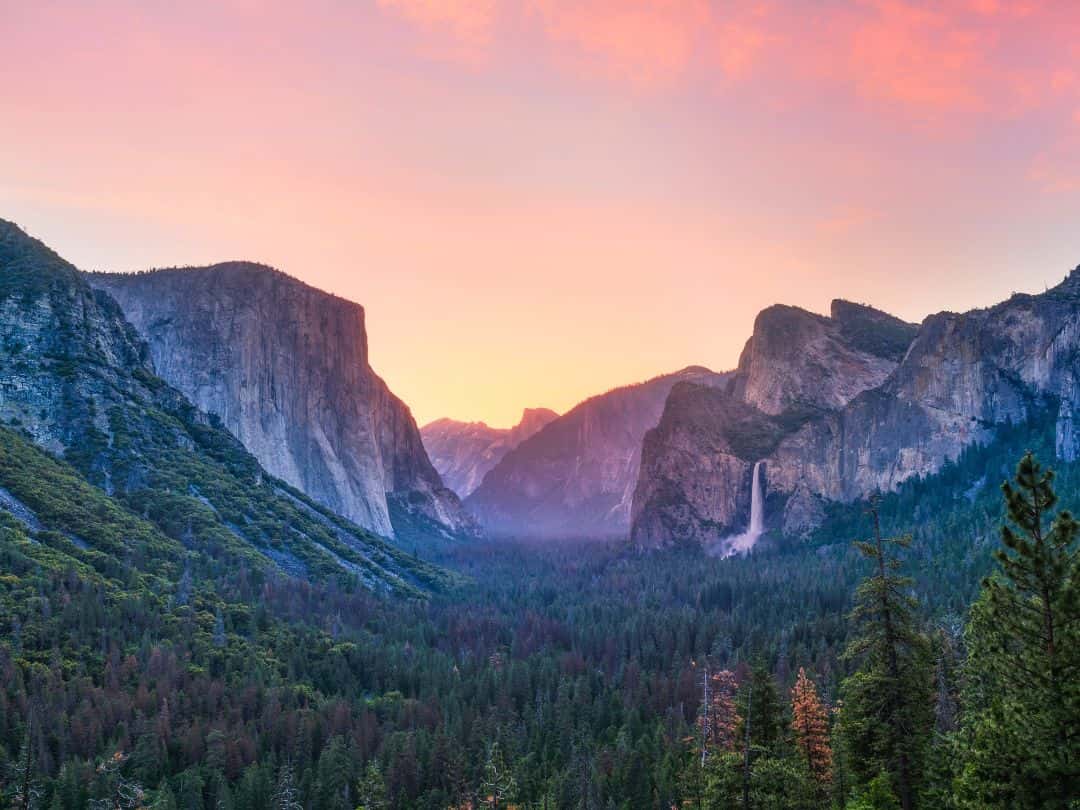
x,y
888,701
1021,729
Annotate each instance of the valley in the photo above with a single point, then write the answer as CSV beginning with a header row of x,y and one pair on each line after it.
x,y
236,572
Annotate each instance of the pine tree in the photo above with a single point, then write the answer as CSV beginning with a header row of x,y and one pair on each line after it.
x,y
118,793
335,771
720,717
876,795
760,699
840,764
372,788
286,793
810,722
1021,732
499,785
24,789
164,798
888,711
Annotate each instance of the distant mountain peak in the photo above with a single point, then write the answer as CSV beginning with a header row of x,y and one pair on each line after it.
x,y
576,476
464,452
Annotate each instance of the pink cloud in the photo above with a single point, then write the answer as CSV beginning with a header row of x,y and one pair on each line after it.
x,y
645,43
922,60
912,55
460,30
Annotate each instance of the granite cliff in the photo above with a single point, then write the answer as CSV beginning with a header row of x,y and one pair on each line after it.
x,y
285,367
829,433
797,367
78,381
463,452
576,476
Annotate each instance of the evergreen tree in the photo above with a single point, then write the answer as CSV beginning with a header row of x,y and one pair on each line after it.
x,y
782,784
335,776
723,779
164,798
24,790
810,722
760,699
1022,726
372,788
877,794
286,794
888,704
499,785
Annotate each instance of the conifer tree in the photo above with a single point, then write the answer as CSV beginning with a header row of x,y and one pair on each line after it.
x,y
888,713
334,771
25,791
761,701
810,722
720,716
499,785
1021,731
286,793
372,789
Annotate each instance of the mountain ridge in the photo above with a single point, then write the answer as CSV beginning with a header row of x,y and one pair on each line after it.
x,y
464,452
961,376
575,476
77,380
286,367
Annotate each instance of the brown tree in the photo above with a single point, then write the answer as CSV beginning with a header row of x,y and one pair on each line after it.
x,y
720,717
810,722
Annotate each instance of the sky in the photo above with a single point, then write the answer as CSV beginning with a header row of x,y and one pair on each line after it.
x,y
537,201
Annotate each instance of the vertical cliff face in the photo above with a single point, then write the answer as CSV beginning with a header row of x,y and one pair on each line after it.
x,y
964,375
464,452
78,380
797,369
576,476
958,379
694,481
798,360
286,369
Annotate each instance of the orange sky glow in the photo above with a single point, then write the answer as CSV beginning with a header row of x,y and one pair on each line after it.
x,y
539,200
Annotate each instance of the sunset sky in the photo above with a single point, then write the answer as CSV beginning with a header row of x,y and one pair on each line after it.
x,y
536,201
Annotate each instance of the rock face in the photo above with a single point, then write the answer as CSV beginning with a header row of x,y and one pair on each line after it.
x,y
463,452
68,356
286,369
961,376
78,380
576,476
798,367
800,360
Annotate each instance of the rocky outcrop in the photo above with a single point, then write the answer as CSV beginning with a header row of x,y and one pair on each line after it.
x,y
964,375
696,467
799,360
961,377
463,452
576,476
77,379
285,367
797,367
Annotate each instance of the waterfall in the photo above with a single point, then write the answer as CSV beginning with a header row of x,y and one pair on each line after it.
x,y
757,505
741,543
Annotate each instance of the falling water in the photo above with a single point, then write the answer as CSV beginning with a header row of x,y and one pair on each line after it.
x,y
741,543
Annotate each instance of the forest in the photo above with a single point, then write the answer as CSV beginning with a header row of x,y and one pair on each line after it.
x,y
920,650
